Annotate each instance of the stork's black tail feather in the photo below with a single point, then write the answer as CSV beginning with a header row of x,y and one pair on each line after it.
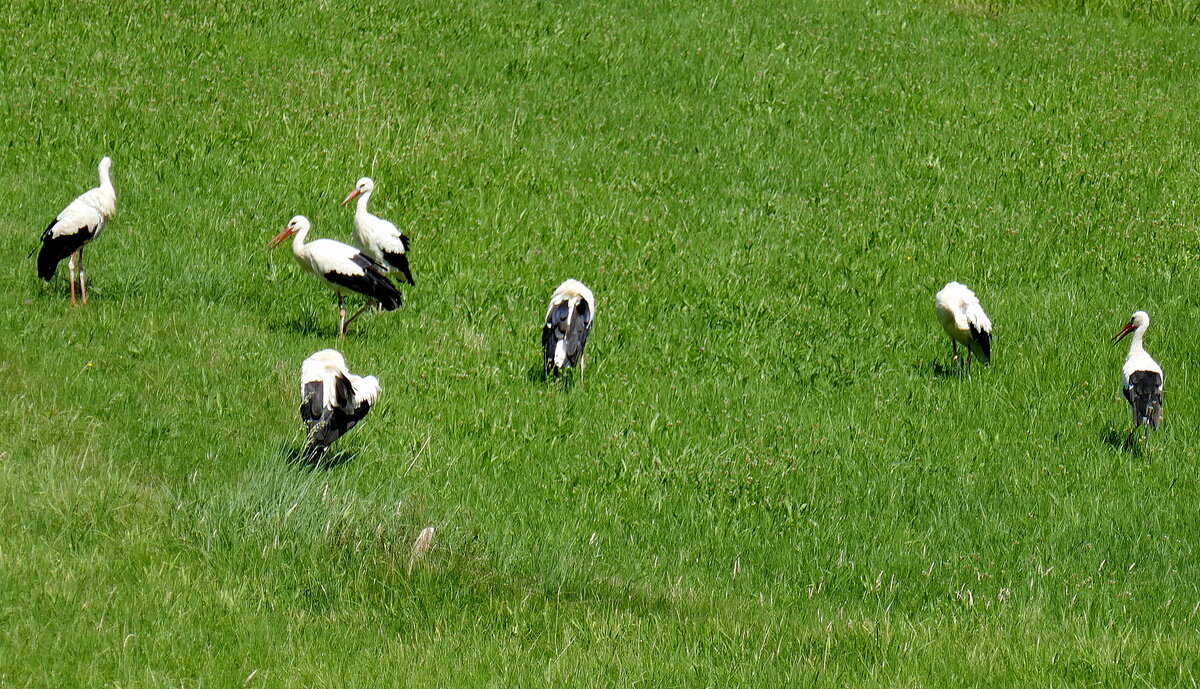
x,y
56,248
378,287
981,344
386,294
321,436
1145,398
47,262
400,262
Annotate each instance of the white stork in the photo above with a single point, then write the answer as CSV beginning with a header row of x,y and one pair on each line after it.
x,y
332,400
79,223
341,267
964,321
568,324
1141,377
377,236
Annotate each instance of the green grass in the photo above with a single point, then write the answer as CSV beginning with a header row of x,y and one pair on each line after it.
x,y
769,477
1157,11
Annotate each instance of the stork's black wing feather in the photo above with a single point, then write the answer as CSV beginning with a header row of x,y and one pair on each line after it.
x,y
400,263
1145,396
981,341
332,425
311,403
554,330
372,282
55,249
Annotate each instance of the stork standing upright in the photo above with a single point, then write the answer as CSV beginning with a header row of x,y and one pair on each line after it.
x,y
332,400
964,321
377,236
568,324
79,223
341,267
1141,377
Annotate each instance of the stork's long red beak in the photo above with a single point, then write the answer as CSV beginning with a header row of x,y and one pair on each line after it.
x,y
1129,327
353,195
287,232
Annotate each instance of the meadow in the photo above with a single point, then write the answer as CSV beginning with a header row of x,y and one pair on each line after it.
x,y
772,475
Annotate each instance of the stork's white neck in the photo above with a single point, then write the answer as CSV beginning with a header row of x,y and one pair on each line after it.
x,y
362,202
298,240
1135,342
106,181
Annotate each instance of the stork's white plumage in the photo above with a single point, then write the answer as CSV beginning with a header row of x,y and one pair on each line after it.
x,y
568,324
964,321
332,400
1141,377
79,223
376,236
341,267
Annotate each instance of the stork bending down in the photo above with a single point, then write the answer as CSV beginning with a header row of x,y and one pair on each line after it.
x,y
568,324
964,321
332,400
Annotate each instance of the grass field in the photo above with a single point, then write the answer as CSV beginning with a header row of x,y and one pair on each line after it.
x,y
770,478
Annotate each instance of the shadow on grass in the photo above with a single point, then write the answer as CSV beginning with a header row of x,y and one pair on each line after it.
x,y
297,457
537,374
308,325
467,577
1114,438
567,379
940,370
957,370
1137,445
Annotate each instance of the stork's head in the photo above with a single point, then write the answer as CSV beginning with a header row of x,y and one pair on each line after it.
x,y
105,164
1140,320
364,186
297,224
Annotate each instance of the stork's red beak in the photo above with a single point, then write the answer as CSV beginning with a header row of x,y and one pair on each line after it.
x,y
287,232
353,195
1129,327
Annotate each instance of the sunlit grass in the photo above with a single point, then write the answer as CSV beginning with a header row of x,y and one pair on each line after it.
x,y
770,478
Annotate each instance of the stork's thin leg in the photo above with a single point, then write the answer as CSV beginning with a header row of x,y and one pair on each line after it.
x,y
356,315
82,277
71,266
582,361
341,317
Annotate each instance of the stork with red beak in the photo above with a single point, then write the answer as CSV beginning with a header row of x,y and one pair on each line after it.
x,y
376,236
341,268
1141,378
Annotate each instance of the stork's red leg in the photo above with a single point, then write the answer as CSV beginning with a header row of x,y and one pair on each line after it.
x,y
356,315
71,267
82,277
341,317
